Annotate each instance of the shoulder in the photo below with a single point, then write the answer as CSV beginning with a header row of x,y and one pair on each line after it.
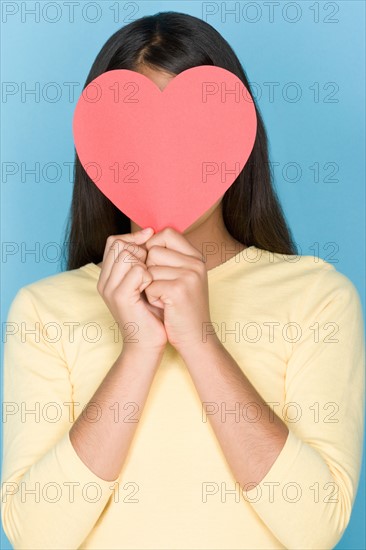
x,y
315,281
55,294
308,271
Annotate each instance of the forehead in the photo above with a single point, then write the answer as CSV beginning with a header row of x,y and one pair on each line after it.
x,y
160,77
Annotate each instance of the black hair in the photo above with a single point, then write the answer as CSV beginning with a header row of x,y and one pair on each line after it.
x,y
173,42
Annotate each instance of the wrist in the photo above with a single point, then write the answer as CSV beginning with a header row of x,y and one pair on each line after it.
x,y
202,350
143,356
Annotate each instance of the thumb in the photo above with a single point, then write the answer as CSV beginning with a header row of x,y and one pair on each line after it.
x,y
139,236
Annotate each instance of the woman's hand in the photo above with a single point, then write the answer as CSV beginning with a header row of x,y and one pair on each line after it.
x,y
123,277
179,286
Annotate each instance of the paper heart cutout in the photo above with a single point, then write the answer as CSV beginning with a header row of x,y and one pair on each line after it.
x,y
164,157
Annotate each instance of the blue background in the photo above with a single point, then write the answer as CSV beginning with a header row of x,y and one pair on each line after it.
x,y
317,142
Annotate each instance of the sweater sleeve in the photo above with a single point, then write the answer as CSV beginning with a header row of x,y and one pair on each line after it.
x,y
306,497
50,498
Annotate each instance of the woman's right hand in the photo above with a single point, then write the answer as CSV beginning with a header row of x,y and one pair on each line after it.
x,y
123,278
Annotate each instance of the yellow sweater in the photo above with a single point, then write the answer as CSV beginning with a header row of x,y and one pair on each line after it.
x,y
293,324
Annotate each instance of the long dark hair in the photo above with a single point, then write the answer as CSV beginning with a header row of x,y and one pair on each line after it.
x,y
175,42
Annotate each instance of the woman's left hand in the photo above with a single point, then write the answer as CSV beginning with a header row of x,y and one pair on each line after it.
x,y
179,287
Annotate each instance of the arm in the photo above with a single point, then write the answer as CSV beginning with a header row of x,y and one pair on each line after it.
x,y
103,445
43,476
312,476
223,382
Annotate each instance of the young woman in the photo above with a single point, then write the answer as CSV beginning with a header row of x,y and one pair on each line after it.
x,y
200,390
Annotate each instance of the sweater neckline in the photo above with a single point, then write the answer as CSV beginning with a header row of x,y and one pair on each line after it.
x,y
245,257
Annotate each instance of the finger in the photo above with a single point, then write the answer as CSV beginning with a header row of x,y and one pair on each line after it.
x,y
155,309
114,259
156,293
170,238
112,256
124,263
138,238
165,273
135,280
159,255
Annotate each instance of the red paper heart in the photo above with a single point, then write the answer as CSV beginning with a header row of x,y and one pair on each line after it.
x,y
164,158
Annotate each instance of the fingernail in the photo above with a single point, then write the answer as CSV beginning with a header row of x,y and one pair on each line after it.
x,y
147,230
